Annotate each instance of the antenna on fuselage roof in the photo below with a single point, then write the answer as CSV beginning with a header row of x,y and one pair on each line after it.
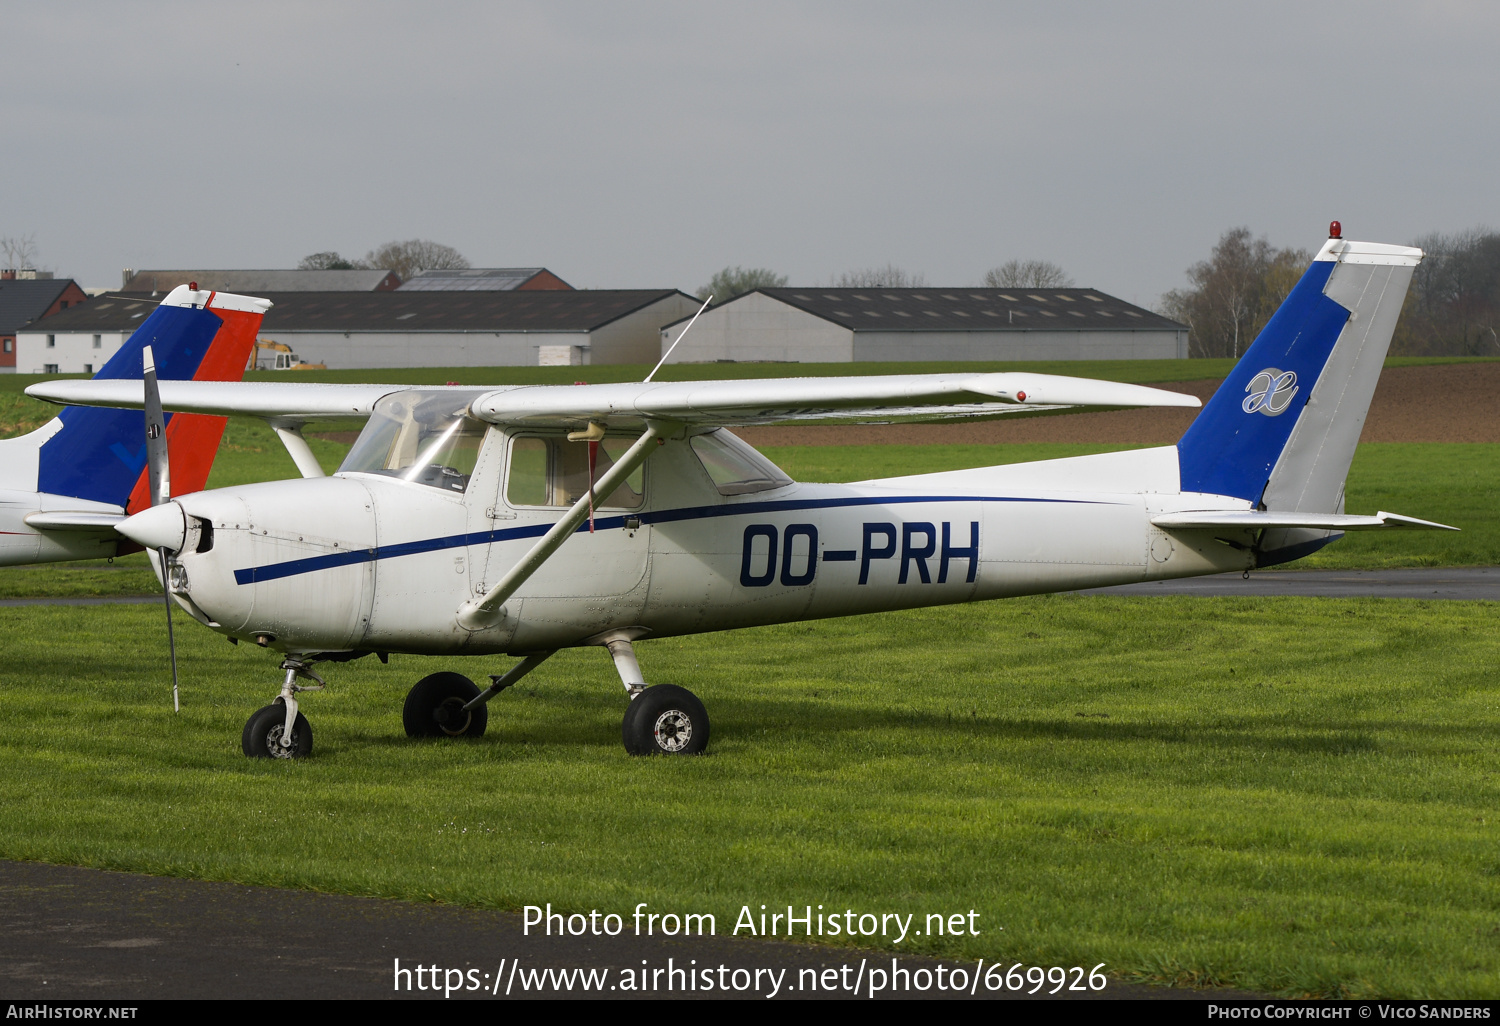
x,y
673,346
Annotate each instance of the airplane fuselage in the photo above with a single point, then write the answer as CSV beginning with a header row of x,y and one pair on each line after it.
x,y
365,562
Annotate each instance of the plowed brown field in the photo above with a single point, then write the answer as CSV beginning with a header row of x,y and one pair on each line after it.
x,y
1442,403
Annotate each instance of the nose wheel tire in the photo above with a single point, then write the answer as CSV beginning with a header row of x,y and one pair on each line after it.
x,y
665,720
263,731
434,708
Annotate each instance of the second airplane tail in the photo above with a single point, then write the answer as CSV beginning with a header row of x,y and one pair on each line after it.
x,y
100,454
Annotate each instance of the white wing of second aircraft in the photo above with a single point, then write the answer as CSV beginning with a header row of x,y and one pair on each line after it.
x,y
752,401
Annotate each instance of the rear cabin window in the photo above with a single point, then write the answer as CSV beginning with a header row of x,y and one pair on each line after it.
x,y
552,471
736,468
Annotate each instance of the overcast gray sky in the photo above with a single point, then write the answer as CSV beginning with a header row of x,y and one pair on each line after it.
x,y
650,144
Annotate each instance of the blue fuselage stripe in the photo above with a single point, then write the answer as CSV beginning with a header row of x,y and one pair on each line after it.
x,y
312,564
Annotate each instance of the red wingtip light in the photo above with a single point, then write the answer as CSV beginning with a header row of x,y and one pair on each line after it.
x,y
193,285
1335,230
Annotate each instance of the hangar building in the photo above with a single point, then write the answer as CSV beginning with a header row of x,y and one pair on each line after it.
x,y
841,325
395,328
485,279
255,283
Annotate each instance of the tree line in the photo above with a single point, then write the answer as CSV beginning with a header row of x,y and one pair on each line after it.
x,y
406,258
1452,307
1014,274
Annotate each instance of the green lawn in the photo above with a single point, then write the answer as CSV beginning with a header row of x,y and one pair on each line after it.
x,y
1283,795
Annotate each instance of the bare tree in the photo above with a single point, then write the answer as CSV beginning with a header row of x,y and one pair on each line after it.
x,y
888,277
1027,274
328,261
1453,306
19,251
414,255
736,281
1234,292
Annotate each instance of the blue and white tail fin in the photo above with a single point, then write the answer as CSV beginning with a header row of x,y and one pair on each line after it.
x,y
98,455
1281,430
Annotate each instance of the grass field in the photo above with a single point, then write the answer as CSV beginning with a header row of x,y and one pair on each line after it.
x,y
1286,795
1283,795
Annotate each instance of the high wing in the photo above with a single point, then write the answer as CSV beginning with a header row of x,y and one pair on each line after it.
x,y
753,401
295,401
765,400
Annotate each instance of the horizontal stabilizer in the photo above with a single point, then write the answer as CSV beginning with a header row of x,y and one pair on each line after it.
x,y
74,520
1253,520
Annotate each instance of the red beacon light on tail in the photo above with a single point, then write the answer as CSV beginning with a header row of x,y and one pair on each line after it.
x,y
1335,230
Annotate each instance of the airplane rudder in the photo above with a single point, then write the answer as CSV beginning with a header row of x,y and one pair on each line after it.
x,y
1233,444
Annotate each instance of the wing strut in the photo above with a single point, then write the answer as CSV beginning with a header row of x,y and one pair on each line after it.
x,y
486,611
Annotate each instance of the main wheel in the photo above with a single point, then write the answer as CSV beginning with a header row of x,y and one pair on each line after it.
x,y
435,708
665,720
262,736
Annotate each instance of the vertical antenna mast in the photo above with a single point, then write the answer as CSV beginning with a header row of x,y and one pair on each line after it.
x,y
673,346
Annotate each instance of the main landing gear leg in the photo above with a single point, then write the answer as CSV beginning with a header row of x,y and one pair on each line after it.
x,y
663,719
279,731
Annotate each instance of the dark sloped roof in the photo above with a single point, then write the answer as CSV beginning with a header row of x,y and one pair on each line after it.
x,y
559,310
26,299
255,282
972,309
482,279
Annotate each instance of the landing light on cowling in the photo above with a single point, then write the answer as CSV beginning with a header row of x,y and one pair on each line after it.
x,y
160,527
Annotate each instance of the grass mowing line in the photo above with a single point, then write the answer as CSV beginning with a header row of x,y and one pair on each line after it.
x,y
1285,795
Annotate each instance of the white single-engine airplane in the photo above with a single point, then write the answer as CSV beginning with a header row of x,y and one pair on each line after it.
x,y
523,520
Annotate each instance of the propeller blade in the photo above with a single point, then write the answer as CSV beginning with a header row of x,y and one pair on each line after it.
x,y
156,434
160,477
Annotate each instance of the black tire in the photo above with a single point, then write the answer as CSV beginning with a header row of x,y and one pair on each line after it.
x,y
434,708
262,736
665,720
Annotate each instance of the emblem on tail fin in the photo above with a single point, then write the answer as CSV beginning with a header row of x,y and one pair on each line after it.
x,y
1271,392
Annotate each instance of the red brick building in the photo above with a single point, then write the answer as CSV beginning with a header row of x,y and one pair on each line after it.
x,y
26,299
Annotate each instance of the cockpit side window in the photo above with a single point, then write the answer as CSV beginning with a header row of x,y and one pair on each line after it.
x,y
549,470
419,436
736,468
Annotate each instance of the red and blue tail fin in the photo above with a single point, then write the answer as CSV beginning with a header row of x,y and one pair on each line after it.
x,y
100,454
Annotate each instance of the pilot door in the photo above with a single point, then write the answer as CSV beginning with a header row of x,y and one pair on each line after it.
x,y
596,578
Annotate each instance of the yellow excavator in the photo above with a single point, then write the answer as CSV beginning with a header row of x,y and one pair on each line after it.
x,y
283,358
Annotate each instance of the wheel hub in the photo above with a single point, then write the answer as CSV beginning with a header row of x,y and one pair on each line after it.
x,y
274,745
673,730
451,716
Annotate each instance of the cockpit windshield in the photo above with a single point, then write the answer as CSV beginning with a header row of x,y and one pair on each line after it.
x,y
736,468
426,437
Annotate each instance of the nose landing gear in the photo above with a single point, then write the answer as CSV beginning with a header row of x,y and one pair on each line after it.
x,y
279,731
